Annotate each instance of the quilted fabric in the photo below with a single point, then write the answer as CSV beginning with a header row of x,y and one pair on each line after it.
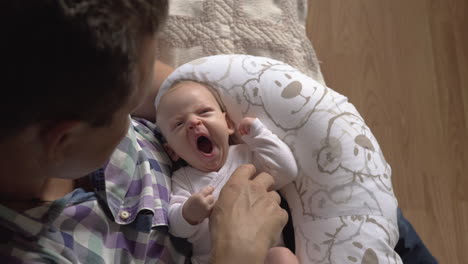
x,y
274,29
343,206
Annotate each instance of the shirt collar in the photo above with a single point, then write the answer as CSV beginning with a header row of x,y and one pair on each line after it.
x,y
31,223
137,176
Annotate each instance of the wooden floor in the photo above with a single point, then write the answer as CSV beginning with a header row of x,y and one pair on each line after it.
x,y
404,64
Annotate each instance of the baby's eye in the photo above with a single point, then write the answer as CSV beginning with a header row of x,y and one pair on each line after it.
x,y
178,124
206,110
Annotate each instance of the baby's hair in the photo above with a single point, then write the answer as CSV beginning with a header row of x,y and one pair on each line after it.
x,y
207,85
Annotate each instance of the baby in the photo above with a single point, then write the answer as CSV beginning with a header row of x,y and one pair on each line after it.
x,y
198,132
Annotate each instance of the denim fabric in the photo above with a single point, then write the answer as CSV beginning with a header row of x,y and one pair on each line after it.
x,y
410,247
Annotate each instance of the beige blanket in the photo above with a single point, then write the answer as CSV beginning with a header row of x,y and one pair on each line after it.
x,y
274,29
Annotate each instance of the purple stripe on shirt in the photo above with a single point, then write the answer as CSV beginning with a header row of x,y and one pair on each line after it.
x,y
155,165
94,222
118,240
116,175
68,240
80,212
136,186
160,217
154,249
146,144
162,192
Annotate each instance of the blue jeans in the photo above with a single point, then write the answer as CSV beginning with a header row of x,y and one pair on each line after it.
x,y
410,246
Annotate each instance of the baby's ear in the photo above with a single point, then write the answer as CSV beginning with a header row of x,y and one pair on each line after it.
x,y
230,124
174,157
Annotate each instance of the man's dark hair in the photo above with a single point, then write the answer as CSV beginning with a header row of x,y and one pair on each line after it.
x,y
70,59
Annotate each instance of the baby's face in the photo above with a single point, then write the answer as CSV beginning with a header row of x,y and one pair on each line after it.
x,y
194,126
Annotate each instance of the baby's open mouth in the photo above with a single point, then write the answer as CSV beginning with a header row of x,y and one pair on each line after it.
x,y
204,144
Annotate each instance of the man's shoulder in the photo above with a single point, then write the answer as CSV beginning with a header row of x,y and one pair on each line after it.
x,y
78,229
40,234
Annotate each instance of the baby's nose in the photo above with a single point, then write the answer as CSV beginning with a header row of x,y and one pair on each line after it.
x,y
194,122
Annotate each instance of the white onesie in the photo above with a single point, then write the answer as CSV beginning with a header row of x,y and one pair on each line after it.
x,y
264,149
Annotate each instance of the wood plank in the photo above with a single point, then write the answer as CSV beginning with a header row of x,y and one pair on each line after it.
x,y
404,64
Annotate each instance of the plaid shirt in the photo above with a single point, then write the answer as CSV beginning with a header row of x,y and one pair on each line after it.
x,y
81,228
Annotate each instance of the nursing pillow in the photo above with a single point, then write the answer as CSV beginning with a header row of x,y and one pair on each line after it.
x,y
342,203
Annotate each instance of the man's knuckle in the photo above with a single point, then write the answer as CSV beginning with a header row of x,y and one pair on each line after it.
x,y
256,186
283,215
233,187
248,167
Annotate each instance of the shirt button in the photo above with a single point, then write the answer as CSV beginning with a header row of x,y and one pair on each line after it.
x,y
124,215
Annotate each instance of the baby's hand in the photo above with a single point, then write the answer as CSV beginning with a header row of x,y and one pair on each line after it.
x,y
245,125
199,206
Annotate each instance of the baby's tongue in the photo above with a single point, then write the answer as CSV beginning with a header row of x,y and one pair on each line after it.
x,y
204,145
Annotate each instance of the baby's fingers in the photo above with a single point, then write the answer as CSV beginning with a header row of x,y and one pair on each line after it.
x,y
210,200
207,204
243,128
207,191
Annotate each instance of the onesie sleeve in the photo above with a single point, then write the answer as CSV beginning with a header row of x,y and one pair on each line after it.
x,y
181,191
271,154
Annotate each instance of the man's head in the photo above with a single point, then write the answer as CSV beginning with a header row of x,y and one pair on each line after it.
x,y
196,128
72,72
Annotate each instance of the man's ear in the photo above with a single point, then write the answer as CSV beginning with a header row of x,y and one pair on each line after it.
x,y
174,157
230,124
58,137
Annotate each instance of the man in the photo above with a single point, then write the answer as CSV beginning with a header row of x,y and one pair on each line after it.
x,y
72,73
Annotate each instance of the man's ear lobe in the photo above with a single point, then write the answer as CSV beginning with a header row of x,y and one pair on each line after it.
x,y
58,137
174,157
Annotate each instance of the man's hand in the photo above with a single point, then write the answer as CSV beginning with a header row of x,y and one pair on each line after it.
x,y
245,125
247,219
199,206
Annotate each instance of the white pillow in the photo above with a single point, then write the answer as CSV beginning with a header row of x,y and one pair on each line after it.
x,y
342,203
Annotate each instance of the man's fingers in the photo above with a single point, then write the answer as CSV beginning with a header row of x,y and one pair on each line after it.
x,y
265,180
274,196
270,199
242,174
283,216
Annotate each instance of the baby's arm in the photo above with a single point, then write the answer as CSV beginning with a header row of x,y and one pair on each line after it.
x,y
198,206
270,153
186,210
